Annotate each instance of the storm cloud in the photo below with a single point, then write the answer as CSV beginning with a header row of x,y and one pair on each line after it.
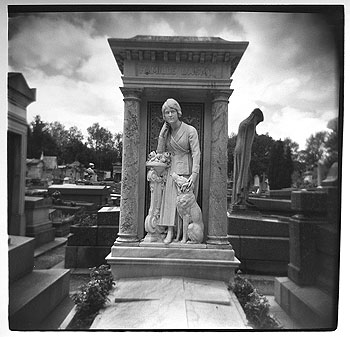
x,y
290,69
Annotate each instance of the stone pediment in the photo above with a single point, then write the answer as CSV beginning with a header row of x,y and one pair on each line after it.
x,y
159,56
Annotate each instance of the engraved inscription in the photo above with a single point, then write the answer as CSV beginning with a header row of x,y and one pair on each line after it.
x,y
179,70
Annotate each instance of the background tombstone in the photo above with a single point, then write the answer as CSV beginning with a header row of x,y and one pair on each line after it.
x,y
196,72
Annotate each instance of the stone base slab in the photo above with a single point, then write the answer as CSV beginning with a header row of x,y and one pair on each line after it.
x,y
308,305
170,303
154,260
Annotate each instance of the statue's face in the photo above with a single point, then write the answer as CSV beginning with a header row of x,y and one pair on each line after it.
x,y
170,115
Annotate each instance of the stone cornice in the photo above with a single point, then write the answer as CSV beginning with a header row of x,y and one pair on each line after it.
x,y
177,49
131,93
18,88
221,95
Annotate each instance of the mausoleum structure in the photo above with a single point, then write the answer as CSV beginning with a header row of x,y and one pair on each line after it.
x,y
196,72
19,97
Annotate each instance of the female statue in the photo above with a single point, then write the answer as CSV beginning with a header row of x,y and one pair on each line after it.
x,y
242,156
181,141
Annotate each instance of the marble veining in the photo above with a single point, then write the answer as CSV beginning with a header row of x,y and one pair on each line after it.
x,y
170,303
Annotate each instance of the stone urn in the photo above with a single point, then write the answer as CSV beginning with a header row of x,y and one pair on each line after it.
x,y
158,167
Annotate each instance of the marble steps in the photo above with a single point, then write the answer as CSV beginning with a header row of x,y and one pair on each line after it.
x,y
58,316
34,296
20,254
47,247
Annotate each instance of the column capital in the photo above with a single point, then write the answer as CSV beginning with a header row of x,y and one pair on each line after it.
x,y
131,93
221,95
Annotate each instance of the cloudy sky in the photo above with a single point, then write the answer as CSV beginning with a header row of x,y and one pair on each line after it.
x,y
289,70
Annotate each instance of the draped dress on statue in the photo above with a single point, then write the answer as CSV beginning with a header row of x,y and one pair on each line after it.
x,y
185,160
242,156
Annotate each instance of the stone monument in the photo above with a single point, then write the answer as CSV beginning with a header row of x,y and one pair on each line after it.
x,y
196,72
242,157
20,95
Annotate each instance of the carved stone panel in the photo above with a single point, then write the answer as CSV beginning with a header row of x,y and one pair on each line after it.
x,y
183,70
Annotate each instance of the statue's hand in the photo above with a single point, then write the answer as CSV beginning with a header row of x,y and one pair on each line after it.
x,y
190,182
164,130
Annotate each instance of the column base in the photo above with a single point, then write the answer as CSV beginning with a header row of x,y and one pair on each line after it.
x,y
126,239
221,241
174,259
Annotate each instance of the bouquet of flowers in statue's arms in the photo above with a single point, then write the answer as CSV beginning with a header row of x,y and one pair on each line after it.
x,y
161,158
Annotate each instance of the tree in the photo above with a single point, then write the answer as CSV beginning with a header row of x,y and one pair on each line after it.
x,y
260,155
79,151
261,151
315,149
332,142
288,166
40,139
118,145
279,176
59,133
294,148
101,141
69,142
99,138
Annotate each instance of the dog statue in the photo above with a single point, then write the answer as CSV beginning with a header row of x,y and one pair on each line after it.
x,y
189,211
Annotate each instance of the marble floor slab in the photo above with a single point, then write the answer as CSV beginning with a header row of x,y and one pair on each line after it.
x,y
167,303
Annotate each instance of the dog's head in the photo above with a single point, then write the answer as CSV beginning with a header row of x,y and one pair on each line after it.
x,y
181,183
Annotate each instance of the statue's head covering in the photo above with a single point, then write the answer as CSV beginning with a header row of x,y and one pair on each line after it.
x,y
258,114
173,104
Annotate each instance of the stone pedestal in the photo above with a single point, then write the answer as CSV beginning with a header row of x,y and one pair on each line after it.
x,y
309,206
174,259
156,178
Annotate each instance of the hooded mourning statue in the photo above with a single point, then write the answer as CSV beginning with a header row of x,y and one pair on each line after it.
x,y
242,156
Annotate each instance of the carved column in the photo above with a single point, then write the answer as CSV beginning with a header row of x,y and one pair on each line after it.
x,y
217,218
129,207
